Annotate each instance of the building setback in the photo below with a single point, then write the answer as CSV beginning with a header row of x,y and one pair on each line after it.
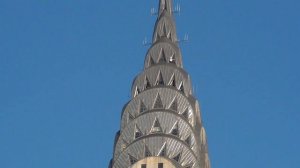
x,y
161,125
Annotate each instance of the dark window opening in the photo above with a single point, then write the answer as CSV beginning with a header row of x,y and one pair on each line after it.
x,y
181,88
174,105
173,82
156,126
132,160
138,91
151,61
185,114
188,141
174,132
130,117
162,58
147,152
137,135
147,83
143,107
158,103
163,151
160,80
177,158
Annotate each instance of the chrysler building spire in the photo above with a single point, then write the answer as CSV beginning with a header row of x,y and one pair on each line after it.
x,y
166,5
165,25
161,125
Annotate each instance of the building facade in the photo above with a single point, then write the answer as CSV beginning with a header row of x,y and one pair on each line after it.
x,y
161,125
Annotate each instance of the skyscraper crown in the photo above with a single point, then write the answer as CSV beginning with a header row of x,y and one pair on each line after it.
x,y
161,125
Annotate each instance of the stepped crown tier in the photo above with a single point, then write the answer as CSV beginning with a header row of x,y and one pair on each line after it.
x,y
161,125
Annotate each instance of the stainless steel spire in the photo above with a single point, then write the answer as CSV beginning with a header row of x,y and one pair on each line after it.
x,y
161,125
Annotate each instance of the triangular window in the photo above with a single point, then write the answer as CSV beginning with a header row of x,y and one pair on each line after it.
x,y
188,140
162,58
138,133
143,107
185,114
156,126
181,88
173,81
157,36
189,166
174,130
177,157
158,103
130,117
138,91
151,62
163,150
160,80
147,152
132,159
147,83
174,105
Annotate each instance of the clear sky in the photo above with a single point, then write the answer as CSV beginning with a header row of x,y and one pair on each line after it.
x,y
66,68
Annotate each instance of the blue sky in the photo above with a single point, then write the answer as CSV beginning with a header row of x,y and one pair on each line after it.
x,y
66,68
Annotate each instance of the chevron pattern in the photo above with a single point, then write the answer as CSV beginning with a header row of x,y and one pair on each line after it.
x,y
162,121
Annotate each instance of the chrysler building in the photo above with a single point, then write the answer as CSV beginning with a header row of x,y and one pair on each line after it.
x,y
161,126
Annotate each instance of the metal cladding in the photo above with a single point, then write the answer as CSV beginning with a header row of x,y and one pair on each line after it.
x,y
163,118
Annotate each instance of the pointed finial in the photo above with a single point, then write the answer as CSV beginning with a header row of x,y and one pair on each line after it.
x,y
166,5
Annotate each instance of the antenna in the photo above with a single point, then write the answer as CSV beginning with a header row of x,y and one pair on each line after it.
x,y
177,9
184,40
186,37
145,42
153,12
